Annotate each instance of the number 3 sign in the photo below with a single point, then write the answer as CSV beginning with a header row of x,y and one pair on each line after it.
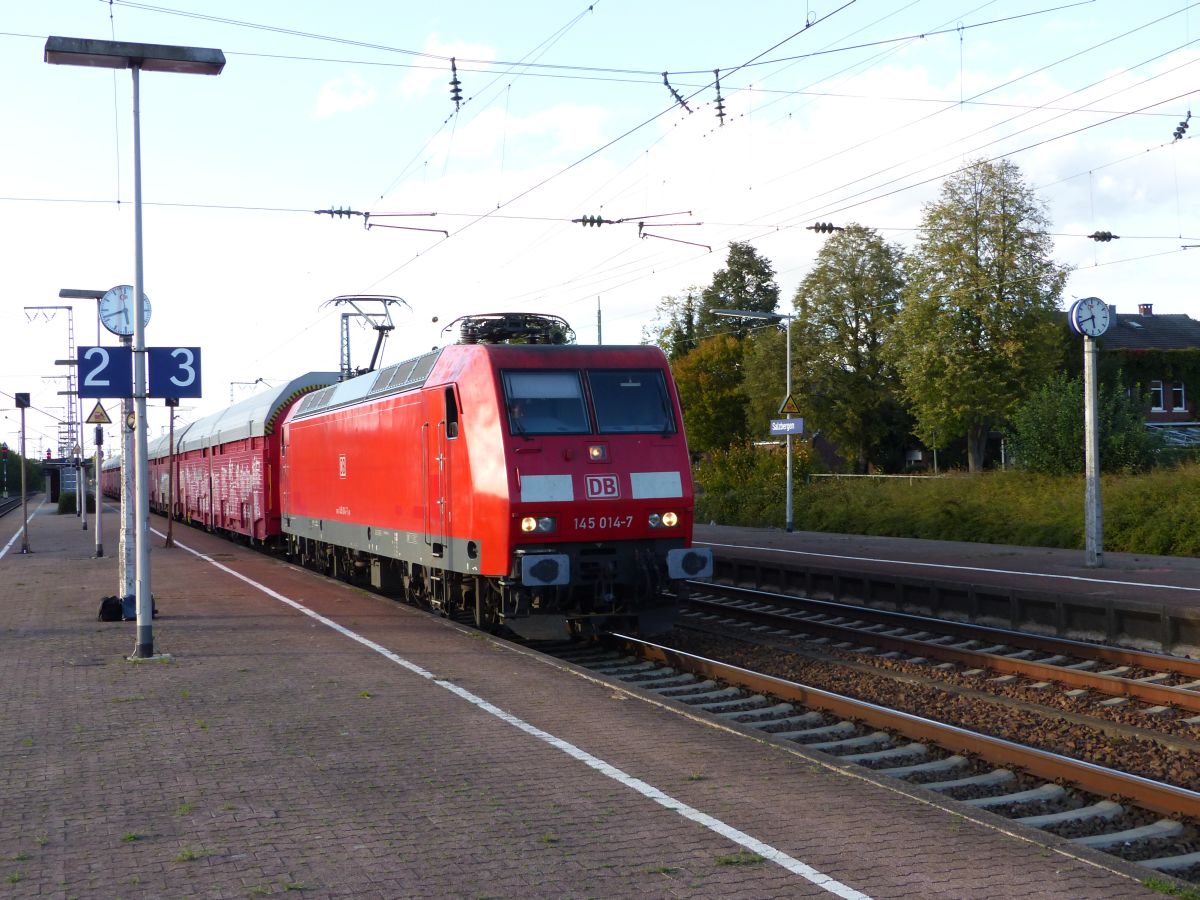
x,y
174,372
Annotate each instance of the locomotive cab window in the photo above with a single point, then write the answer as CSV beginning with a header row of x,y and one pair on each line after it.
x,y
545,402
451,414
631,401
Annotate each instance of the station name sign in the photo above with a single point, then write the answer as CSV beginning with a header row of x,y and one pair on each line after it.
x,y
787,426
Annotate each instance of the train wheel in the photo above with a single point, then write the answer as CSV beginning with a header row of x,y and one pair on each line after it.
x,y
486,617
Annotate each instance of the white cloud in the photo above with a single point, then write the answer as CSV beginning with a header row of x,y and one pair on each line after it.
x,y
345,94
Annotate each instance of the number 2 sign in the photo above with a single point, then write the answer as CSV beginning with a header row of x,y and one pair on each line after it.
x,y
105,372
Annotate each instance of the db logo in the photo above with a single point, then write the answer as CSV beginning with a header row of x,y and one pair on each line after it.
x,y
603,487
342,466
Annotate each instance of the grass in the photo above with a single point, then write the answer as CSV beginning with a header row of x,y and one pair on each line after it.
x,y
662,869
183,809
741,858
1172,890
14,877
21,855
1157,512
190,854
130,836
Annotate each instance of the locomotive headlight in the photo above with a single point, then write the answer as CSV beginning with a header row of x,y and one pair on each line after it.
x,y
663,520
597,453
540,524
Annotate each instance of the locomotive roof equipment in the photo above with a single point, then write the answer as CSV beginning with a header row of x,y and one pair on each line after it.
x,y
512,328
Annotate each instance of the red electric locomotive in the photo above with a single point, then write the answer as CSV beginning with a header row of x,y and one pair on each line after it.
x,y
512,477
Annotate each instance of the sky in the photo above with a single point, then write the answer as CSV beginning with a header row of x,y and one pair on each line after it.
x,y
832,112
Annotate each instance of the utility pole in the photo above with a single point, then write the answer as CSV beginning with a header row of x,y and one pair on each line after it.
x,y
99,463
1093,514
22,405
172,403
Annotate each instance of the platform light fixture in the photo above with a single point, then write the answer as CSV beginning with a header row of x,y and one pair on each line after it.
x,y
85,52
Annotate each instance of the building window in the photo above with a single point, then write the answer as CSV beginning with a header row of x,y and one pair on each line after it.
x,y
1156,396
1177,399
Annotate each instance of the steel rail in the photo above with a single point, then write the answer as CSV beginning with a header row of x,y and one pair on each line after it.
x,y
1165,799
1112,685
1182,665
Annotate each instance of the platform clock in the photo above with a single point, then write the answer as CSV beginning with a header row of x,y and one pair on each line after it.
x,y
116,310
1090,316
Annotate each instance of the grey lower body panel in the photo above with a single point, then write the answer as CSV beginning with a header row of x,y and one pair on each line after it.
x,y
452,554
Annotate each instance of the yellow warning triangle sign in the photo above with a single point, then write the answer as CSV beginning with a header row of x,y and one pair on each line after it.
x,y
789,406
99,416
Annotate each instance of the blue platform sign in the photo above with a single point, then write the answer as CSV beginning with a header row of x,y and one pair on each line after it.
x,y
787,426
174,371
105,372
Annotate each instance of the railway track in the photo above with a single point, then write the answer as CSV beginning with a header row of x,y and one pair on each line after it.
x,y
1139,819
1153,689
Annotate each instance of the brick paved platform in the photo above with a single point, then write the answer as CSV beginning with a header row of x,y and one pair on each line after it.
x,y
271,754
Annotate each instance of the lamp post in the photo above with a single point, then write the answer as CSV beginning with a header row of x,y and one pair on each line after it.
x,y
151,58
787,320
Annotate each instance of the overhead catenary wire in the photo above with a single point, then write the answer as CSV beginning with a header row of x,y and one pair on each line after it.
x,y
547,217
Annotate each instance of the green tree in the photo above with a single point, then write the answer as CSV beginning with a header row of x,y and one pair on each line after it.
x,y
710,391
1047,430
747,485
764,376
674,325
977,325
747,282
847,388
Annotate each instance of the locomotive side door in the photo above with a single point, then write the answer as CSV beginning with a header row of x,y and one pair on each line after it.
x,y
438,434
433,465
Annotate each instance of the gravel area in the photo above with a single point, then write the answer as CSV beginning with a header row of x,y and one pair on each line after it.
x,y
1136,755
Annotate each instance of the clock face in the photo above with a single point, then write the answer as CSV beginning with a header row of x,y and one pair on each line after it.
x,y
1090,316
116,310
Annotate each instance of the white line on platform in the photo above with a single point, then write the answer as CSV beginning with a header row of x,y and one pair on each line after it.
x,y
12,540
929,565
646,790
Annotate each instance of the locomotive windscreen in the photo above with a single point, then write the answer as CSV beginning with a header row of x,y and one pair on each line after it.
x,y
626,401
545,402
631,400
